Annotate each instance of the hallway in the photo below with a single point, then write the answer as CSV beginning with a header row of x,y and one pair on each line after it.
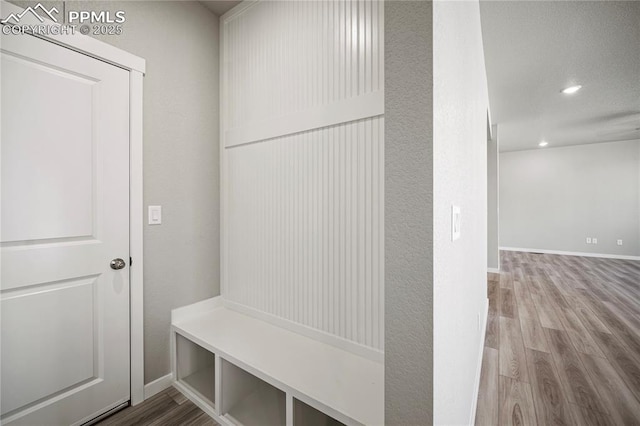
x,y
562,343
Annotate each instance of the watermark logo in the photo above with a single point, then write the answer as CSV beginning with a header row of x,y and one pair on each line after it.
x,y
43,14
86,22
96,17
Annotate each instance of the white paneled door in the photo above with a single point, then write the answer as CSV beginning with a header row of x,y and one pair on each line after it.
x,y
65,219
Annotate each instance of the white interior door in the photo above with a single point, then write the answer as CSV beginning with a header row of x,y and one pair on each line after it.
x,y
65,216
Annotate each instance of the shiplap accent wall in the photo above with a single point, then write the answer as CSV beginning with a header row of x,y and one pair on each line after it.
x,y
303,164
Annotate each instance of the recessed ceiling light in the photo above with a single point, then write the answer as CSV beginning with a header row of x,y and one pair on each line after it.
x,y
543,144
572,89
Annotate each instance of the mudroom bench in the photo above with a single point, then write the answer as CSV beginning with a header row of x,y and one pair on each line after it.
x,y
242,370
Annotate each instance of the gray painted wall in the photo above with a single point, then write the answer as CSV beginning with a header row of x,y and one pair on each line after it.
x,y
493,230
460,178
179,41
436,155
554,198
408,213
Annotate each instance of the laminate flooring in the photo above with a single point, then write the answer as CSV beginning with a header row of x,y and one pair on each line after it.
x,y
167,408
562,345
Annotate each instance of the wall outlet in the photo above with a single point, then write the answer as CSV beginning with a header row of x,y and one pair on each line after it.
x,y
619,242
588,240
594,241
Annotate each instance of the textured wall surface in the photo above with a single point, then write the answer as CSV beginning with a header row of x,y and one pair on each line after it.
x,y
408,213
493,229
179,41
303,189
459,178
554,198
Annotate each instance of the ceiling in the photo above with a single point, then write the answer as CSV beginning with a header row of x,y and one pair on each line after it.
x,y
534,49
220,7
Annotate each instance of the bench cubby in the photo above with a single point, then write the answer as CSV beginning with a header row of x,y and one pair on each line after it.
x,y
247,400
195,368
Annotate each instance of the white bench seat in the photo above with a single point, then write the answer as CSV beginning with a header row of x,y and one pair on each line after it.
x,y
343,385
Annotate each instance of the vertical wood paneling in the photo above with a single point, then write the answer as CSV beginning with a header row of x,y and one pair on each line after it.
x,y
304,229
303,213
331,50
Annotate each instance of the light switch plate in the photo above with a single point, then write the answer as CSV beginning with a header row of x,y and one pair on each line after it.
x,y
619,242
594,240
455,222
155,215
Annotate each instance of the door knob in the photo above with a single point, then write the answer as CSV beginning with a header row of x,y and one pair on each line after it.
x,y
117,264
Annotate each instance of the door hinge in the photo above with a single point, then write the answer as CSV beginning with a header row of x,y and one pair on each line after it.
x,y
130,261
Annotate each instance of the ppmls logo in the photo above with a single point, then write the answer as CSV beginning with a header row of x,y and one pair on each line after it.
x,y
85,22
44,14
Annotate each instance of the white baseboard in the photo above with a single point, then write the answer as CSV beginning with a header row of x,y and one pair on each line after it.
x,y
476,384
157,386
572,253
493,270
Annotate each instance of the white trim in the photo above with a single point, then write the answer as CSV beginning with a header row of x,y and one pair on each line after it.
x,y
493,270
136,65
158,385
136,228
217,404
476,383
80,43
289,409
321,336
572,253
358,108
223,157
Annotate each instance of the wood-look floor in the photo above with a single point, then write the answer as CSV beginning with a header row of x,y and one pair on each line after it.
x,y
563,342
168,408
